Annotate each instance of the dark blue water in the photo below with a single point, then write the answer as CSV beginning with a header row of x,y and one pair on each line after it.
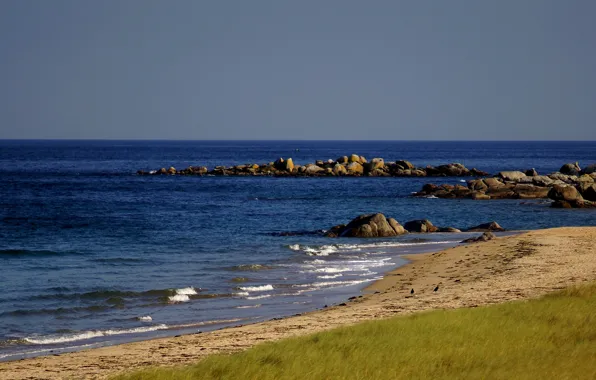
x,y
89,250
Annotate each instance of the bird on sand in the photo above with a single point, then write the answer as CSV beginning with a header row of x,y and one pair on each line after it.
x,y
437,288
412,291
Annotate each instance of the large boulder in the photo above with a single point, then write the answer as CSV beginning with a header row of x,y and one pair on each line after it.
x,y
404,165
570,169
355,168
564,193
513,176
367,226
342,160
398,228
484,237
484,227
284,165
313,169
339,170
477,185
421,225
525,191
493,182
354,158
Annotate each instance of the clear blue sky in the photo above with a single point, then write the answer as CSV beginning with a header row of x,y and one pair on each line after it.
x,y
345,69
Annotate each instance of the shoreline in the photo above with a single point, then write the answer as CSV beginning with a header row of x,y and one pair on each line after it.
x,y
515,267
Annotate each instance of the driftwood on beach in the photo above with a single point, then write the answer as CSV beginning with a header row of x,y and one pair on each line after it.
x,y
570,187
353,165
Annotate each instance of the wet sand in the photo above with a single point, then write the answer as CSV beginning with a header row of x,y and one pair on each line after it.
x,y
505,269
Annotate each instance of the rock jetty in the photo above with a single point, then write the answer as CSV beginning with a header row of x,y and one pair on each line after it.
x,y
353,165
377,225
570,187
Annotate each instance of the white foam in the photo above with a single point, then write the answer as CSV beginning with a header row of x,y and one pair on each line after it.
x,y
262,288
53,339
249,306
431,197
330,276
294,247
241,294
259,297
332,270
318,261
324,250
179,298
186,291
146,318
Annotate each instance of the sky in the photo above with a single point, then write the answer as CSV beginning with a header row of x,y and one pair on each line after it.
x,y
308,70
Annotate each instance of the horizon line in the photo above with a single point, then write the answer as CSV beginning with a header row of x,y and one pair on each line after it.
x,y
275,140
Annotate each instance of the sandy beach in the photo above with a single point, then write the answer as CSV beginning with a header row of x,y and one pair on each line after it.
x,y
509,268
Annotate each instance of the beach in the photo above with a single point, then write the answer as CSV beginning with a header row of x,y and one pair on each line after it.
x,y
510,268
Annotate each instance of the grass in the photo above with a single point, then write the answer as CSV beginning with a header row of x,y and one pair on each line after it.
x,y
553,337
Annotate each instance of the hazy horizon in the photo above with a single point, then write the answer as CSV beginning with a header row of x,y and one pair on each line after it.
x,y
311,71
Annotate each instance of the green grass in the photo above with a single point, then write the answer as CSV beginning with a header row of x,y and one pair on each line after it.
x,y
553,337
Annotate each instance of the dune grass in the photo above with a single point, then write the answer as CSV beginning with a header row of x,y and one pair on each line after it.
x,y
553,337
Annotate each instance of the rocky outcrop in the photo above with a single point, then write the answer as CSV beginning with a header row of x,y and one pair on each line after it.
x,y
422,225
377,225
519,185
352,165
367,226
484,237
570,169
486,227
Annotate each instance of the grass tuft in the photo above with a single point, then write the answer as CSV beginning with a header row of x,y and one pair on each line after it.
x,y
551,337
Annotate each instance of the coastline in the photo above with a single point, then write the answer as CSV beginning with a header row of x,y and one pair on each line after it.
x,y
509,268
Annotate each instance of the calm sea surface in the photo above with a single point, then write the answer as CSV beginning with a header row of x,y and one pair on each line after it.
x,y
92,254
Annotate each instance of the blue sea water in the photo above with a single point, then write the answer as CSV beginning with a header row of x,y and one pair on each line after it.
x,y
92,254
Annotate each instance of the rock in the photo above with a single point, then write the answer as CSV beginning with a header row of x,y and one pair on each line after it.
x,y
398,228
335,230
484,237
421,225
354,158
564,193
448,229
477,185
589,169
377,163
525,191
531,172
342,160
493,182
313,169
285,165
589,193
571,169
476,195
355,168
404,165
542,180
491,226
511,175
172,170
363,160
371,225
339,170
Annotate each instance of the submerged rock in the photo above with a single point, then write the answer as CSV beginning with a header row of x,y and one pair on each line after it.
x,y
422,225
485,227
484,237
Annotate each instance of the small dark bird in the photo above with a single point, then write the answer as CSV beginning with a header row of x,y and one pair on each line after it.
x,y
412,291
437,288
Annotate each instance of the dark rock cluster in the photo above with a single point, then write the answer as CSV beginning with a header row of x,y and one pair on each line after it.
x,y
570,187
377,225
353,165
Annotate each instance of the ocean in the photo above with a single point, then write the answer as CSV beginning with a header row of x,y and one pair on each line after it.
x,y
92,254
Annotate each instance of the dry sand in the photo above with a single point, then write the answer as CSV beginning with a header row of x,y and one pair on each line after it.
x,y
505,269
